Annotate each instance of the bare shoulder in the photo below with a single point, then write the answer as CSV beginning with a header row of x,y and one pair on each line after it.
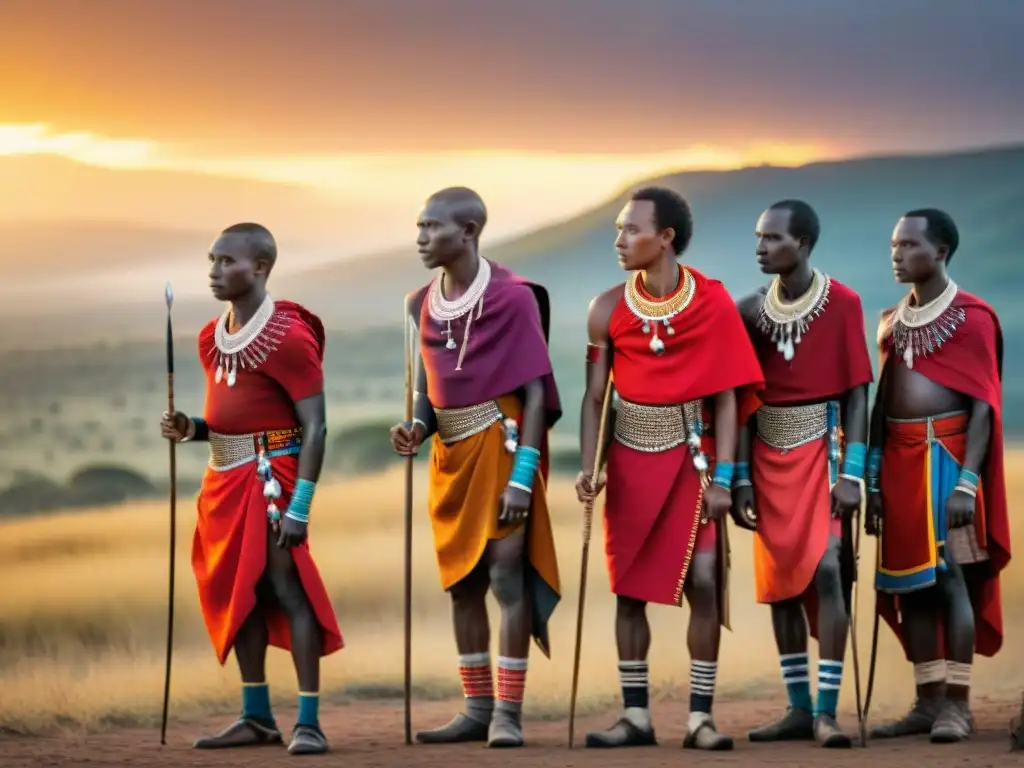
x,y
750,304
599,313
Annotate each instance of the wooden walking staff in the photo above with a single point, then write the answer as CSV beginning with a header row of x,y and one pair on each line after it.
x,y
169,296
588,515
409,354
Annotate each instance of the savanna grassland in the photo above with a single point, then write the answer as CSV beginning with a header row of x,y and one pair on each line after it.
x,y
84,616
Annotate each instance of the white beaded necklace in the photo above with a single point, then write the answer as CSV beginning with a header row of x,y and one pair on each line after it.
x,y
785,322
919,331
444,311
249,346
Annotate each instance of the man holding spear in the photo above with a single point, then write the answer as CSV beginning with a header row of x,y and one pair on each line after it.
x,y
265,424
486,390
686,374
801,464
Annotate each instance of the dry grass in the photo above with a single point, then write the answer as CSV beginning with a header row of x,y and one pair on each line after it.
x,y
84,616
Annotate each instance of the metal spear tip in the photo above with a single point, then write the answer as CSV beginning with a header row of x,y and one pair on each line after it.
x,y
169,294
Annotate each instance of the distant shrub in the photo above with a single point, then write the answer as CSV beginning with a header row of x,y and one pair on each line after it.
x,y
107,484
364,449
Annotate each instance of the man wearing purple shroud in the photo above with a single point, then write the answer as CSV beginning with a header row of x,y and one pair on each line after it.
x,y
486,391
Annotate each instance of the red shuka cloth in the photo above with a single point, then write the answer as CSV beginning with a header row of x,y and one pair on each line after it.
x,y
229,547
792,494
971,362
653,500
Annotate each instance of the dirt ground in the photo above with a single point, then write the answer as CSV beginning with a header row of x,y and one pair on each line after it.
x,y
372,736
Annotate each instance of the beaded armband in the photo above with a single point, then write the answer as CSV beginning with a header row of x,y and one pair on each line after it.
x,y
741,475
302,496
968,482
723,476
524,467
593,353
874,469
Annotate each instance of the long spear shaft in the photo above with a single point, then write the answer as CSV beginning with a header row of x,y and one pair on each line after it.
x,y
409,340
169,296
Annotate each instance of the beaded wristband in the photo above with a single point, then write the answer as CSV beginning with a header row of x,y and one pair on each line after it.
x,y
741,471
723,474
298,507
968,478
853,460
524,468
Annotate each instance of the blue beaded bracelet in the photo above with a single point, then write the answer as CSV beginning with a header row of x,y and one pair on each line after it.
x,y
524,467
741,471
723,474
969,478
853,460
302,496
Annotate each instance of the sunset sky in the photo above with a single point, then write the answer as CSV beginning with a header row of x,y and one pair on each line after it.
x,y
335,119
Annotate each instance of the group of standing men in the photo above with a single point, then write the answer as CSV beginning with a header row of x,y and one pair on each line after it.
x,y
757,409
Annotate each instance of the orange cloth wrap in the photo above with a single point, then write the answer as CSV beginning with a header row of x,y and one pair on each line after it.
x,y
467,480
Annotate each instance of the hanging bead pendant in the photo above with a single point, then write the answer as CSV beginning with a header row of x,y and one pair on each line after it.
x,y
657,345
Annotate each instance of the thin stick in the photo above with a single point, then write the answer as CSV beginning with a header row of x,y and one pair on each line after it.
x,y
169,296
874,638
588,515
409,342
855,601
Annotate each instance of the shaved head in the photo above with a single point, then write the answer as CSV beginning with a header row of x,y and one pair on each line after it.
x,y
257,240
463,205
450,225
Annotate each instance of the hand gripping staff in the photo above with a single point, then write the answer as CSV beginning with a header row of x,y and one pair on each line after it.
x,y
588,514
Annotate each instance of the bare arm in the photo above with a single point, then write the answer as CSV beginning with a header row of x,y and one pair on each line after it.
x,y
312,416
726,428
422,409
598,368
979,431
533,414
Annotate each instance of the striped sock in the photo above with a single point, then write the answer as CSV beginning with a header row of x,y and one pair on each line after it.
x,y
830,677
309,709
635,684
256,701
798,684
511,683
477,685
702,685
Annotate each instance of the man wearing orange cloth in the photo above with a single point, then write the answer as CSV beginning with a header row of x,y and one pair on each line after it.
x,y
789,486
486,392
936,489
265,424
685,374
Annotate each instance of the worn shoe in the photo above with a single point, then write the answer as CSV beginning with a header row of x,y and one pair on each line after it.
x,y
624,733
460,729
954,723
506,729
828,733
703,735
917,722
307,740
244,732
795,725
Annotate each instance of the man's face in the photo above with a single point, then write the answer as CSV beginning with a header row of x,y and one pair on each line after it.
x,y
778,252
441,239
233,271
914,257
639,243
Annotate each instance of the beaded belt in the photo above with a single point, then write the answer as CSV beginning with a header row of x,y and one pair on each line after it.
x,y
231,451
454,424
788,427
656,428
